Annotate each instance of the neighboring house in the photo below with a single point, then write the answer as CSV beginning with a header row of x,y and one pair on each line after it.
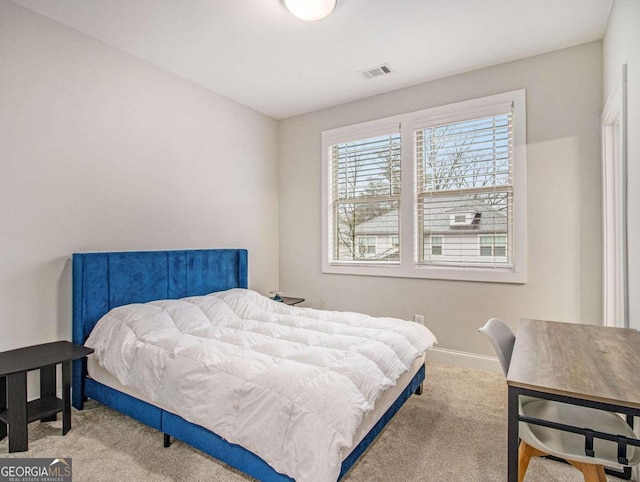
x,y
458,230
377,239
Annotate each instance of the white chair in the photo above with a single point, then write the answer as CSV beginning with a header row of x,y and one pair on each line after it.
x,y
536,441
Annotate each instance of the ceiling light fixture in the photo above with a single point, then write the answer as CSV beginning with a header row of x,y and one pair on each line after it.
x,y
310,10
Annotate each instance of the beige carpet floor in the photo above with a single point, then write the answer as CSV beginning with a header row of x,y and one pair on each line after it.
x,y
455,431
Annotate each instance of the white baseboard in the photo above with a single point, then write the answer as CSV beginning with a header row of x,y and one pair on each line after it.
x,y
464,359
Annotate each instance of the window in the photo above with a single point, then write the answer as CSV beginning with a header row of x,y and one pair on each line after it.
x,y
365,195
493,246
436,245
366,247
465,166
439,193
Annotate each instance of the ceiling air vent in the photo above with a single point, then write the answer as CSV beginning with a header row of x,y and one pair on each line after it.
x,y
383,69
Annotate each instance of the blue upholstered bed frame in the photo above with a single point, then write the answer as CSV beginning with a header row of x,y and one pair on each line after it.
x,y
102,281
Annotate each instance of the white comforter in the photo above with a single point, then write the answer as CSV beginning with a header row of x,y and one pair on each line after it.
x,y
289,384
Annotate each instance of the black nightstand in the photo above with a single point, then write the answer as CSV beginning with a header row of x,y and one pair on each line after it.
x,y
288,300
15,412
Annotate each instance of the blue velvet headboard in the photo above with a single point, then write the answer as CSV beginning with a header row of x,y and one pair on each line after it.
x,y
102,281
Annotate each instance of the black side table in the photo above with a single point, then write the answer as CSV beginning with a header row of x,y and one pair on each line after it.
x,y
290,300
15,412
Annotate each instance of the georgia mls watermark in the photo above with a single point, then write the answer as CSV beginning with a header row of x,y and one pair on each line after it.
x,y
35,470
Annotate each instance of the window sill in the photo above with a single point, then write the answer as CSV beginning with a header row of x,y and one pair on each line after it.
x,y
487,275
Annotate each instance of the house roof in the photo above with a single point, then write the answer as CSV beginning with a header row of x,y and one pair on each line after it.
x,y
483,218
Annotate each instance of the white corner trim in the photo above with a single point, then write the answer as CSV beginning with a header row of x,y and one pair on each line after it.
x,y
614,208
464,359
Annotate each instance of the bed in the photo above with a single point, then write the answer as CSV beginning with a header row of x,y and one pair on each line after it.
x,y
104,281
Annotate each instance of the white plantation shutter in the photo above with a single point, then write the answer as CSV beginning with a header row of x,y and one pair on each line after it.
x,y
364,191
464,186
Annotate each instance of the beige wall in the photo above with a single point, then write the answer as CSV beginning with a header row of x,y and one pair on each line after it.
x,y
621,45
564,94
101,151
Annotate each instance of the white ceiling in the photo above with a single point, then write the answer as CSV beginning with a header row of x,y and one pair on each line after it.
x,y
257,53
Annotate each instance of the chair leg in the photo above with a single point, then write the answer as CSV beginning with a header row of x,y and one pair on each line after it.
x,y
577,465
593,473
525,452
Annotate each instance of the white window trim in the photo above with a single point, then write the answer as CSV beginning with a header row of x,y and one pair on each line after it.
x,y
408,267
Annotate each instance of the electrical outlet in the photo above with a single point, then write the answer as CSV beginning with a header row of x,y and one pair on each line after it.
x,y
418,319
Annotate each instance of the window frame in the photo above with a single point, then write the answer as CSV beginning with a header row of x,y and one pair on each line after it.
x,y
407,124
383,132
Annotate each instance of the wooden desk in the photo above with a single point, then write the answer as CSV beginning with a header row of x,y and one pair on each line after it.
x,y
592,366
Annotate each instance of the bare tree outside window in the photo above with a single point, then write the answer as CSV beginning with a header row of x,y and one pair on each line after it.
x,y
464,184
366,186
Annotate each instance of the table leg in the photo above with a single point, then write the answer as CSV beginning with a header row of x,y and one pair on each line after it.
x,y
512,435
48,387
17,408
3,405
79,371
66,397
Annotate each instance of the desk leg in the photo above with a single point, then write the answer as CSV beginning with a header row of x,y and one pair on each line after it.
x,y
3,405
17,408
512,436
66,397
48,387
